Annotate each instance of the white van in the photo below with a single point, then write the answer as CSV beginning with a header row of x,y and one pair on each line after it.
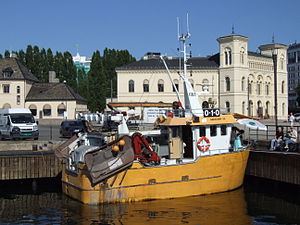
x,y
18,123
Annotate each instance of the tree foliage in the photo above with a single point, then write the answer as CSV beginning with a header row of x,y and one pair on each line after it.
x,y
95,86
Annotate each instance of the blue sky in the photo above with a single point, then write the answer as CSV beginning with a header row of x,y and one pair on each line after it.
x,y
141,26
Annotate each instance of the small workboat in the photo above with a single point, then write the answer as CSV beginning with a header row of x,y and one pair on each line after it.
x,y
190,154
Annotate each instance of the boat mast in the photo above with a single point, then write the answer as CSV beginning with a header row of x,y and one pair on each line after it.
x,y
191,100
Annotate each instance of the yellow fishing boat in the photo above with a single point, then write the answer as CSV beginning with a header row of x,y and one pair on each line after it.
x,y
190,154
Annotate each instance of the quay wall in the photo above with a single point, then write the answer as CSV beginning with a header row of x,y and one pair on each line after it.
x,y
278,166
26,164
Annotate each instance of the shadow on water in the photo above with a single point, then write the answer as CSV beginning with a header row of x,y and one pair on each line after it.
x,y
271,202
259,202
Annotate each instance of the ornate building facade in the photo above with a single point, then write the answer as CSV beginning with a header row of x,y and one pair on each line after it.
x,y
237,80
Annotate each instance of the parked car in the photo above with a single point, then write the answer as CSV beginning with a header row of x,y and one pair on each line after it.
x,y
297,117
70,127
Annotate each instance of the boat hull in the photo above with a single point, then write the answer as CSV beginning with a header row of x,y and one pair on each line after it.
x,y
207,175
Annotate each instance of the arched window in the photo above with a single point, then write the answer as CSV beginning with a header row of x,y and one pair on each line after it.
x,y
227,81
242,56
176,83
61,108
259,109
243,84
131,86
243,108
227,105
283,109
250,108
267,88
146,85
33,109
282,62
267,108
6,106
47,110
228,57
18,89
160,85
258,87
282,87
250,87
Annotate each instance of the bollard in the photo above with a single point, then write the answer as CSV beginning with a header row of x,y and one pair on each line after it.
x,y
34,148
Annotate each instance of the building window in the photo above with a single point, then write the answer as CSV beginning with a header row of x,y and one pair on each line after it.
x,y
258,88
282,87
47,110
33,109
146,85
243,84
243,108
267,89
176,84
61,109
250,87
282,63
5,88
228,57
227,81
7,72
242,55
18,89
160,86
18,99
131,86
227,105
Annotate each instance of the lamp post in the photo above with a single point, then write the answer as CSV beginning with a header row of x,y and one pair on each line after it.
x,y
274,57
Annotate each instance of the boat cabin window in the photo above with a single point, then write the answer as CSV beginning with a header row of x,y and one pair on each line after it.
x,y
175,132
223,129
213,130
202,131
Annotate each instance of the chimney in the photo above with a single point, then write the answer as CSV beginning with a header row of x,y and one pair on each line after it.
x,y
52,77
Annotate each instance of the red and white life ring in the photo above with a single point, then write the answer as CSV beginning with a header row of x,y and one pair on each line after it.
x,y
203,144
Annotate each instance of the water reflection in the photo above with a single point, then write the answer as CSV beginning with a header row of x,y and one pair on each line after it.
x,y
224,208
55,208
256,204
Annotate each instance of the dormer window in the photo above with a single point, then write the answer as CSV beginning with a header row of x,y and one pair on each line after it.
x,y
7,72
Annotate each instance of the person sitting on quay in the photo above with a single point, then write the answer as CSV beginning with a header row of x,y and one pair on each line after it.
x,y
291,137
277,139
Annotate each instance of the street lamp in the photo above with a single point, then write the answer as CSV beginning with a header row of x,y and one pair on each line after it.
x,y
274,57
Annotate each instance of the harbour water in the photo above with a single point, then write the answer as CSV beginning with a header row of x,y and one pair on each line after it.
x,y
256,202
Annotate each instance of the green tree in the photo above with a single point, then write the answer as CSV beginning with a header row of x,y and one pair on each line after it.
x,y
96,84
21,56
29,58
7,54
82,83
1,56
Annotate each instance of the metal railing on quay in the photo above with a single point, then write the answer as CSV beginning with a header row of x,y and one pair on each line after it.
x,y
267,135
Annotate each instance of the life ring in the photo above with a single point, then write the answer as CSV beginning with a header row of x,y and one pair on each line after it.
x,y
203,147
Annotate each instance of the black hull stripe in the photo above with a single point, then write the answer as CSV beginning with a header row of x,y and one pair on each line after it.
x,y
139,185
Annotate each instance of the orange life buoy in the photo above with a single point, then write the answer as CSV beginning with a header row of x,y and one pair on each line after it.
x,y
203,146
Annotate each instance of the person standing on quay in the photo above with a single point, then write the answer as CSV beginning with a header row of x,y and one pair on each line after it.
x,y
292,119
